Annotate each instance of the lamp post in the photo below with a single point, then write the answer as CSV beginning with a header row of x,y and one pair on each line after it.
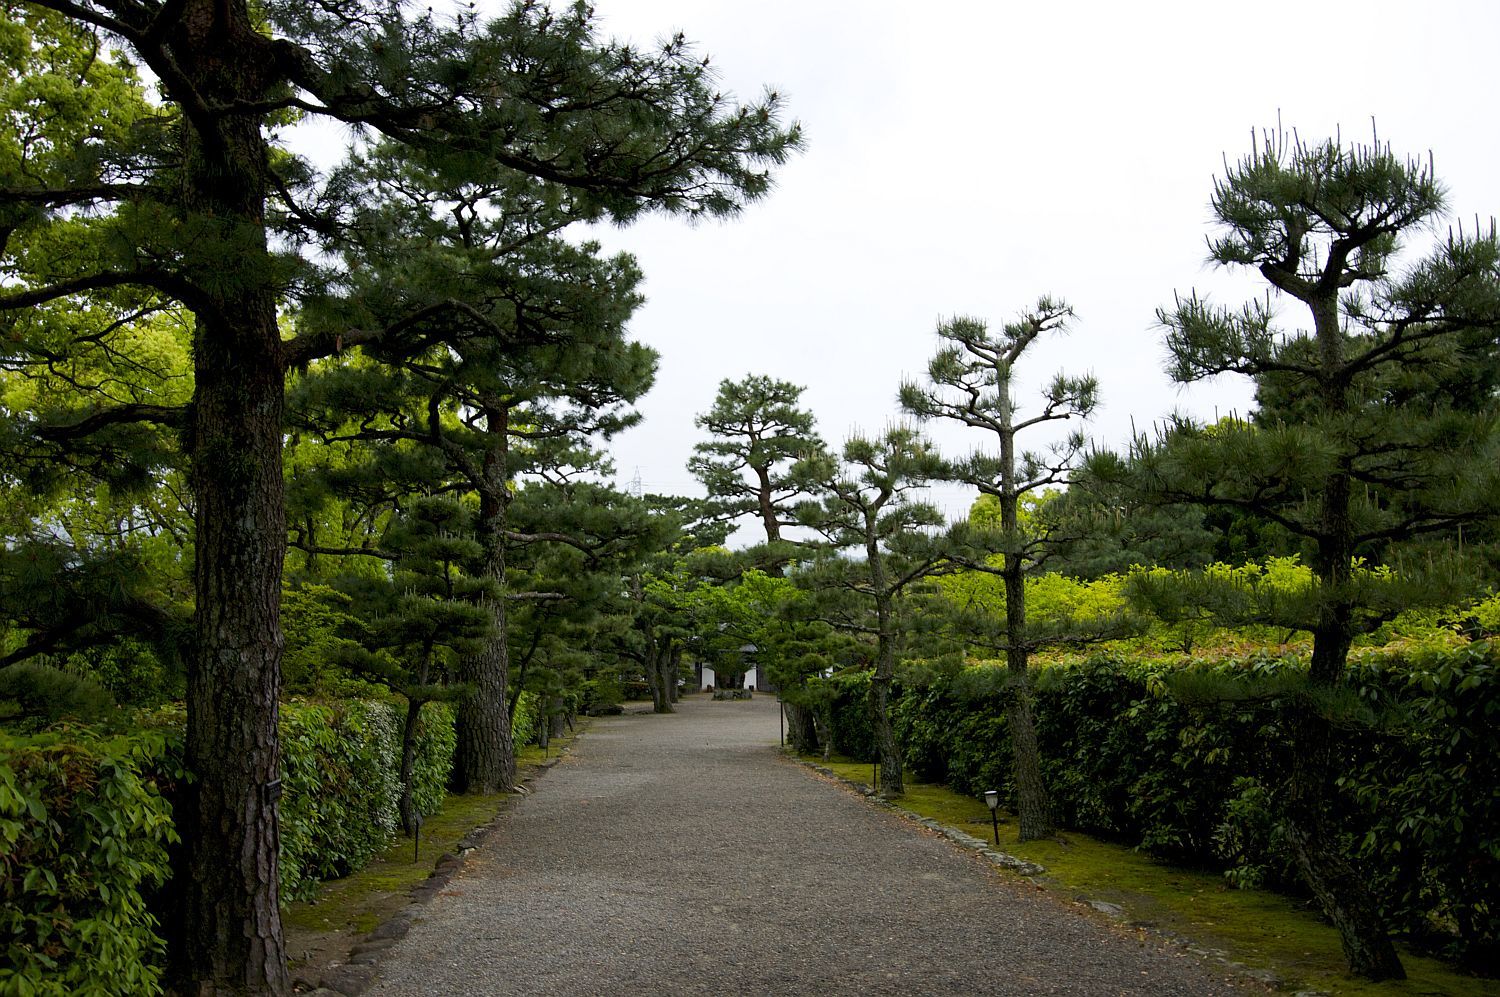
x,y
992,800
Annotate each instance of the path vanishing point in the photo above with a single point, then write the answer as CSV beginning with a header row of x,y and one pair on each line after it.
x,y
682,854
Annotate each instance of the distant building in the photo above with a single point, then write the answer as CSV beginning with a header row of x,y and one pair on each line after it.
x,y
754,678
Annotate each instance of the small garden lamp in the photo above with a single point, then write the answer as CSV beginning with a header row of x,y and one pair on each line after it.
x,y
992,800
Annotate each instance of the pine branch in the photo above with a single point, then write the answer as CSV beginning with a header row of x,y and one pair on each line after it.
x,y
166,415
167,283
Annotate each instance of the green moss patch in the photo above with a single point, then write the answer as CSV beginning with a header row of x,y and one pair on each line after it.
x,y
1261,929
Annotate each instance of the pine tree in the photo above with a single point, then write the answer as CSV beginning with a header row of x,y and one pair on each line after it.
x,y
757,429
422,617
192,206
1357,450
868,509
577,553
972,379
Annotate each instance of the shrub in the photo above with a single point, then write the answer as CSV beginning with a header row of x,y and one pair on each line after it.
x,y
341,790
1187,760
526,723
848,713
42,693
83,830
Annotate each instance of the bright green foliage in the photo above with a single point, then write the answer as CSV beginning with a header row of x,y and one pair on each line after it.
x,y
1062,611
318,623
79,120
525,718
846,705
83,834
340,765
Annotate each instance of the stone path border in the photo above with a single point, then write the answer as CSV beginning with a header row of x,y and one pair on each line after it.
x,y
354,975
1030,870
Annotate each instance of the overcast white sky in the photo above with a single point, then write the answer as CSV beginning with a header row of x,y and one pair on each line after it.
x,y
966,157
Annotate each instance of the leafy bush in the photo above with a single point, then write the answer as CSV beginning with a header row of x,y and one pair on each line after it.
x,y
1187,761
848,714
341,789
437,738
526,724
83,830
42,693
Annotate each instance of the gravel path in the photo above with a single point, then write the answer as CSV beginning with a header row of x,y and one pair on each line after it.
x,y
681,855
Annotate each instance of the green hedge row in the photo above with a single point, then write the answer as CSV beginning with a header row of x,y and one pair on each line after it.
x,y
340,772
1188,761
85,828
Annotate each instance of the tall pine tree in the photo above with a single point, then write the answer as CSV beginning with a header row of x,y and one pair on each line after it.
x,y
972,382
192,205
1359,450
877,544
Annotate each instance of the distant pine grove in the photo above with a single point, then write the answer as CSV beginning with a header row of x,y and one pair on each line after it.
x,y
301,482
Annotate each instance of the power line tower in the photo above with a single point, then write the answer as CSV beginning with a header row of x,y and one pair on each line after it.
x,y
634,487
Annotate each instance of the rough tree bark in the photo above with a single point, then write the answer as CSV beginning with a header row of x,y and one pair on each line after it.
x,y
233,942
801,727
408,806
1033,809
485,757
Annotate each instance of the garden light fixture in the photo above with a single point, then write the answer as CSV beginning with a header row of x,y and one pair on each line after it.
x,y
992,800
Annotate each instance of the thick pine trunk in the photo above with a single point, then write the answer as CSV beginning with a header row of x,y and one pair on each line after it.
x,y
1033,812
1311,828
651,665
886,749
1033,808
1340,888
484,759
232,941
801,728
660,668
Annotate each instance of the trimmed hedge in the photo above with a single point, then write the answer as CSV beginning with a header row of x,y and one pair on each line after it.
x,y
85,825
526,723
340,769
1187,762
83,831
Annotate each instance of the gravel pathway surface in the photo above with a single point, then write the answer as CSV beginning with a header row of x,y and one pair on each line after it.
x,y
681,854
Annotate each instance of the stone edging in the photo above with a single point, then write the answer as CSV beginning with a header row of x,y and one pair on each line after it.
x,y
356,974
1031,869
994,856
